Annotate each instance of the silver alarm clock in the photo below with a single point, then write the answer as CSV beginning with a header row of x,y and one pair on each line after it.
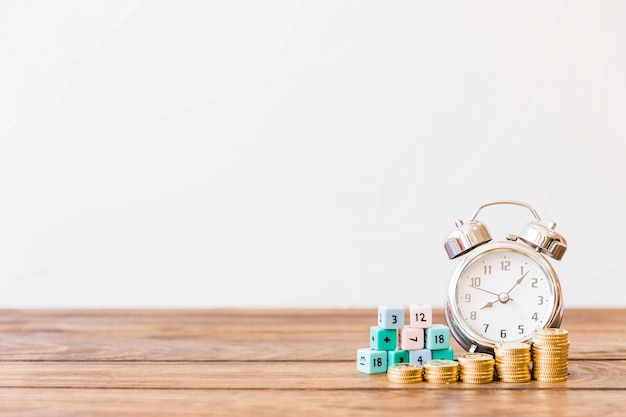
x,y
503,290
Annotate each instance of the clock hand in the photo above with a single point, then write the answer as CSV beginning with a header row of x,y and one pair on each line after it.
x,y
478,288
489,304
518,282
500,296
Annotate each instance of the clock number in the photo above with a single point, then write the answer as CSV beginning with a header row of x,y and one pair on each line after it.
x,y
503,333
533,282
486,269
468,298
540,300
534,317
475,282
505,265
521,270
486,327
520,329
473,315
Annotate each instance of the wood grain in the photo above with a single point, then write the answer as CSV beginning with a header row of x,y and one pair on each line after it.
x,y
268,362
396,402
264,375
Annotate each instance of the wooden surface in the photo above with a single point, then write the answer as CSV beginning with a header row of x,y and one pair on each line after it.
x,y
268,362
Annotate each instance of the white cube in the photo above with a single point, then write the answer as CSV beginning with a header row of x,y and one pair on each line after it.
x,y
411,338
421,316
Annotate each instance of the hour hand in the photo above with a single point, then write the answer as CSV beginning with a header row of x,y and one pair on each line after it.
x,y
502,298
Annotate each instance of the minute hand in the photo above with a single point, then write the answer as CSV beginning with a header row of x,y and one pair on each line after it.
x,y
518,282
480,289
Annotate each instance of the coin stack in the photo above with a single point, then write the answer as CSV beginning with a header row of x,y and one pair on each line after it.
x,y
550,350
441,371
405,373
513,362
476,368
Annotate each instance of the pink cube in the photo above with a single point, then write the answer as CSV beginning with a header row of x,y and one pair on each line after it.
x,y
411,338
421,316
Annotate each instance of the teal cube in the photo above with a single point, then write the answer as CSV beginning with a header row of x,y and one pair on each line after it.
x,y
443,354
382,339
437,337
370,361
397,356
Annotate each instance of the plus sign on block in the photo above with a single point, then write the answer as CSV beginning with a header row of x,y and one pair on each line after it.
x,y
382,339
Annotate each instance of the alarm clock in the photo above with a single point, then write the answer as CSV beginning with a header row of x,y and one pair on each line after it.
x,y
502,291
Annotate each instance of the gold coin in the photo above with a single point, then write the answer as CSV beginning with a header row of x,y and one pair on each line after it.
x,y
474,357
441,380
541,366
550,348
559,369
477,371
439,363
515,380
477,381
520,359
512,347
551,332
404,369
509,365
480,372
551,361
404,380
550,337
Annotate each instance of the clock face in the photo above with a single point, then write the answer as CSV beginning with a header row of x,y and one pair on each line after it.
x,y
503,294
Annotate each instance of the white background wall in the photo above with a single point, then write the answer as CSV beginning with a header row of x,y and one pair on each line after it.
x,y
313,153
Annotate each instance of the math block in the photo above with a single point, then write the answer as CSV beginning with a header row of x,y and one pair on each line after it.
x,y
397,356
382,339
411,338
421,315
391,317
420,357
437,337
370,361
443,354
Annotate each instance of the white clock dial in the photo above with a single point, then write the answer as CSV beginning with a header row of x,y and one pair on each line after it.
x,y
503,293
504,296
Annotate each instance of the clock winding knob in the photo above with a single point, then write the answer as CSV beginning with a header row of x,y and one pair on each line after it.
x,y
465,238
544,239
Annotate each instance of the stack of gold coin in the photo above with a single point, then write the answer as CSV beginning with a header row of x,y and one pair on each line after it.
x,y
441,371
550,352
513,362
476,368
405,373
